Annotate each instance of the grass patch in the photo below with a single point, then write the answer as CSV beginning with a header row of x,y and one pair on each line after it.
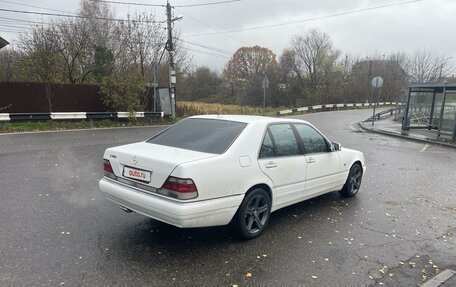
x,y
187,109
52,125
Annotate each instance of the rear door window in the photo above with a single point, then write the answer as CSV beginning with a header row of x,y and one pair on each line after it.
x,y
203,135
267,147
284,139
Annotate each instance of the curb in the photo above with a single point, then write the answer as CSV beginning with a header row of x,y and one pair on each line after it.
x,y
406,137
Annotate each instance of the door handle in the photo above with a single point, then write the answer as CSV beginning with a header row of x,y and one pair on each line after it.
x,y
310,160
270,164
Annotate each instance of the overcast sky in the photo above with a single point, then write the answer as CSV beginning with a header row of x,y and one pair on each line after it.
x,y
428,24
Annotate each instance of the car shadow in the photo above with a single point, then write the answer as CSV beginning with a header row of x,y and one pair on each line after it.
x,y
149,239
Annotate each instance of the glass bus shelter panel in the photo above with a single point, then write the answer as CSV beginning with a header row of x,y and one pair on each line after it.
x,y
420,107
437,109
449,113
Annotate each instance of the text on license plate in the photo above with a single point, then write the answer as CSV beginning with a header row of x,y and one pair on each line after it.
x,y
138,174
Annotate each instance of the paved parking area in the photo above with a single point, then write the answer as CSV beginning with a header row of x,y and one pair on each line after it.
x,y
57,229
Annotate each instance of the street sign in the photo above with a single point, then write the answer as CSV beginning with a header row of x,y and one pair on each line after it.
x,y
155,69
265,82
377,82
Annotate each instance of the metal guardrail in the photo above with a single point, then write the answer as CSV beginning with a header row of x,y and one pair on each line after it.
x,y
332,106
383,114
34,116
77,116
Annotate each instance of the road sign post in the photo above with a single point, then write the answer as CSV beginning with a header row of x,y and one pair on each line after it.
x,y
155,70
265,85
377,83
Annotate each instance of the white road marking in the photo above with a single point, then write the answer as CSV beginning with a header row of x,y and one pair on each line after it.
x,y
440,278
426,146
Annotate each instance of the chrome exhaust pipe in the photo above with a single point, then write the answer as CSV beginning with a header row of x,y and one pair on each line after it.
x,y
127,210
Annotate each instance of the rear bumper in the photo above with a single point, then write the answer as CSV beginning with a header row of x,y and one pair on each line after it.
x,y
212,212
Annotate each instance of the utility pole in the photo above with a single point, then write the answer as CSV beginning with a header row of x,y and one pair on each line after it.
x,y
172,72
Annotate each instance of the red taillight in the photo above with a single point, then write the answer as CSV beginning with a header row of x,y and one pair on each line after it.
x,y
107,166
180,185
108,172
179,188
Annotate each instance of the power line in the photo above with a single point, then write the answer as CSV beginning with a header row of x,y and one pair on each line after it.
x,y
210,27
307,20
207,47
32,6
77,16
10,31
129,3
208,3
20,20
161,5
210,54
11,25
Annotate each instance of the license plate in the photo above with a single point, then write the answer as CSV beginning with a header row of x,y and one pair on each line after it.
x,y
138,174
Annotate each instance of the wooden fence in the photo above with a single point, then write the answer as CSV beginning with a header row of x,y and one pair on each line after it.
x,y
31,98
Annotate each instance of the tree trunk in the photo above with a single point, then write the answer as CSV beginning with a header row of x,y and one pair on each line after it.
x,y
48,89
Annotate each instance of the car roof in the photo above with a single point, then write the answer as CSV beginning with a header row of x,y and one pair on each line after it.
x,y
248,119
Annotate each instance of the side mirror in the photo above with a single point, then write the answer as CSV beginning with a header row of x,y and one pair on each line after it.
x,y
335,146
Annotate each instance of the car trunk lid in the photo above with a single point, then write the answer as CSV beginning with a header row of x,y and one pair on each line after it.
x,y
150,164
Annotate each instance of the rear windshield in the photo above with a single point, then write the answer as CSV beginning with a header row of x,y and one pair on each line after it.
x,y
203,135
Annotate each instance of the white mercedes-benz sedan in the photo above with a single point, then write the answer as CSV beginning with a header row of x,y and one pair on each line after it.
x,y
219,169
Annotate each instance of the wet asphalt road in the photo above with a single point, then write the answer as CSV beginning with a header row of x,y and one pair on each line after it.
x,y
57,229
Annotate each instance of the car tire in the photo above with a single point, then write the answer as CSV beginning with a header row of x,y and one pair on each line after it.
x,y
353,183
253,214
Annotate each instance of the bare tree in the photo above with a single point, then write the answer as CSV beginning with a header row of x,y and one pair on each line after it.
x,y
75,48
314,59
425,67
102,30
9,60
43,61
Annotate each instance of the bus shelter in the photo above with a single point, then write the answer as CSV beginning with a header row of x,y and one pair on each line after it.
x,y
432,107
